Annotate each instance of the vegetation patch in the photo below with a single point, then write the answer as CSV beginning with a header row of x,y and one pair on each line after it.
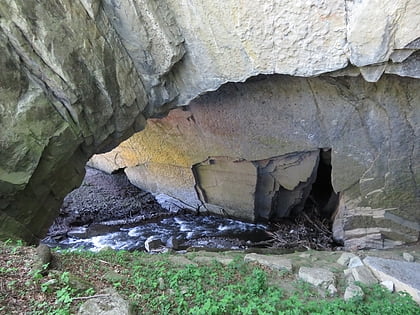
x,y
156,284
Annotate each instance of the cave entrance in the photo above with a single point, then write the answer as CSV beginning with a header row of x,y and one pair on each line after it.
x,y
309,223
291,192
290,195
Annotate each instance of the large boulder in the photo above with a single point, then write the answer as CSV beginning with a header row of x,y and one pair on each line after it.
x,y
79,77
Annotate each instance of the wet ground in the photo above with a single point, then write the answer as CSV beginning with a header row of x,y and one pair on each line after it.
x,y
107,211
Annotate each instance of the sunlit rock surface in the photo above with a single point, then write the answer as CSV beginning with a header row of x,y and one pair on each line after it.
x,y
79,77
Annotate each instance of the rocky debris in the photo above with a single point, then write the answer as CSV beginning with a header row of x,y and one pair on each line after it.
x,y
404,275
319,277
153,243
270,261
108,302
345,258
408,257
363,275
307,230
388,284
353,291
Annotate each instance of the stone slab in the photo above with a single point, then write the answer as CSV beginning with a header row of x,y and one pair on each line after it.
x,y
272,262
404,275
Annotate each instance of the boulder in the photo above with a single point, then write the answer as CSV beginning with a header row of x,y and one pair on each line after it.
x,y
344,259
363,275
388,284
408,257
108,302
153,243
355,262
404,275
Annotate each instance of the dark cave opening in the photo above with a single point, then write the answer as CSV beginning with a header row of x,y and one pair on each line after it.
x,y
308,223
322,194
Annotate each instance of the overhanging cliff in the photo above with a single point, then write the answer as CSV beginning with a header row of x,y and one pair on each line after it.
x,y
79,77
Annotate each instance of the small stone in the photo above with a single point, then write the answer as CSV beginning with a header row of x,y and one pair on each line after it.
x,y
173,243
161,284
332,290
389,285
364,275
153,243
408,257
345,258
355,262
42,259
44,254
317,276
353,291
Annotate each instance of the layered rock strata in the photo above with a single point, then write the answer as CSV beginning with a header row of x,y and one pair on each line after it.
x,y
78,77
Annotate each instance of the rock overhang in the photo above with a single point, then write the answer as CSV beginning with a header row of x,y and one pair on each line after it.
x,y
99,80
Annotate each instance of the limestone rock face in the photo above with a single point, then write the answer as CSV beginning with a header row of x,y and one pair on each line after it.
x,y
79,77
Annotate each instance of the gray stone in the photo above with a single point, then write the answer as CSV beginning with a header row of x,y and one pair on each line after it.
x,y
42,259
332,290
364,275
173,243
108,302
389,285
345,258
355,262
153,243
404,275
317,276
270,261
353,291
408,257
43,253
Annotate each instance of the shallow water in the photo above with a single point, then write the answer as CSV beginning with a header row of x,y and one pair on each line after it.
x,y
191,230
115,194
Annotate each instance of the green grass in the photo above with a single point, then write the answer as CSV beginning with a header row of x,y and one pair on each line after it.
x,y
154,284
